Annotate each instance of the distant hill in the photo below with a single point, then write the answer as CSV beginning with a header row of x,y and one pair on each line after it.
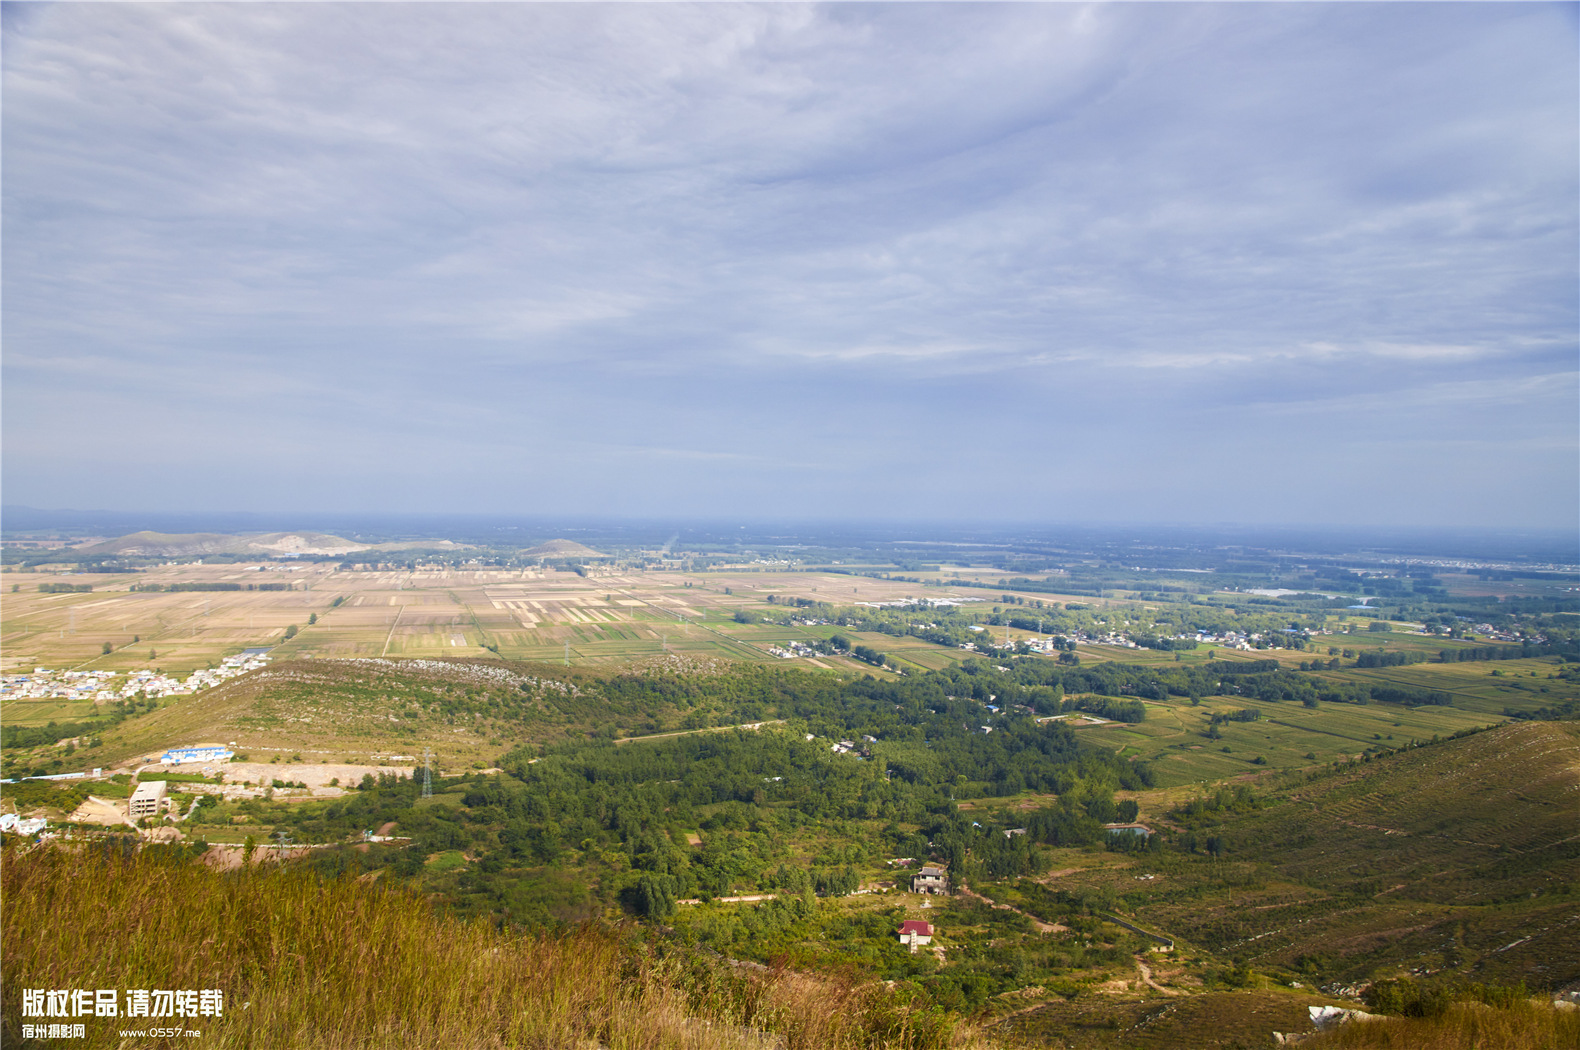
x,y
419,545
301,543
562,549
176,545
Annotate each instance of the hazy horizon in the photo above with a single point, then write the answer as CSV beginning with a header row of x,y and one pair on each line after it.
x,y
1188,264
1547,546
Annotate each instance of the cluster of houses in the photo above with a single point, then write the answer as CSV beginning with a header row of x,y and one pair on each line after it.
x,y
792,649
1498,634
62,685
922,603
151,684
851,747
230,667
100,686
1226,639
1042,645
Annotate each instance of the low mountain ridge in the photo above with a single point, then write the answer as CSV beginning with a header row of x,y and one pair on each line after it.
x,y
262,545
562,549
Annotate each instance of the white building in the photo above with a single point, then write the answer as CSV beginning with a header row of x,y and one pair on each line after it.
x,y
11,822
148,799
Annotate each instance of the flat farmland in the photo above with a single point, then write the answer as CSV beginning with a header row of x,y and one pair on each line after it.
x,y
184,629
1360,639
608,621
1470,584
1485,687
520,614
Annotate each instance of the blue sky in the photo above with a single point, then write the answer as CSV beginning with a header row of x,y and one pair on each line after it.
x,y
1256,263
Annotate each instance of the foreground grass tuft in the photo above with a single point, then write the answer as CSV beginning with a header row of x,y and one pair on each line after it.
x,y
306,963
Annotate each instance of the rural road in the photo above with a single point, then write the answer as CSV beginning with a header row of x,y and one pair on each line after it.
x,y
689,732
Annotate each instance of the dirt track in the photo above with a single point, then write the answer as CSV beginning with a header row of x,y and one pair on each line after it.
x,y
1042,927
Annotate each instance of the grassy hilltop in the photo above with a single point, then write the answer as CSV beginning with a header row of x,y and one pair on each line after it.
x,y
307,964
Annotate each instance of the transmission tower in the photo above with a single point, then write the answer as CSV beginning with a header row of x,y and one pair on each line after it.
x,y
427,772
567,654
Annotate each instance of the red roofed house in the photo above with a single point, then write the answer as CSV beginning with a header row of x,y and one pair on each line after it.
x,y
915,933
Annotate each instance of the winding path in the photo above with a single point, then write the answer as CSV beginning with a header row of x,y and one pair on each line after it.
x,y
1042,927
1146,978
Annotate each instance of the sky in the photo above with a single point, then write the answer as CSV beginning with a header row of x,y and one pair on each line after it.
x,y
1284,263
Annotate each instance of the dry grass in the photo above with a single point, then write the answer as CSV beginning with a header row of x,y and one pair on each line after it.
x,y
308,964
1526,1025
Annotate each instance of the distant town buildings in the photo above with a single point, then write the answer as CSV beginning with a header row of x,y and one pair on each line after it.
x,y
101,687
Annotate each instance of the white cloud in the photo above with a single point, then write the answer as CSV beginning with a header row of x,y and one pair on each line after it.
x,y
466,215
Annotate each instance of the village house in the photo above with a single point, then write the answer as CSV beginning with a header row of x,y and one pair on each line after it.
x,y
914,933
930,880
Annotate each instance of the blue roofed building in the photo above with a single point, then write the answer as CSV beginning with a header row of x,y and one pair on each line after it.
x,y
177,755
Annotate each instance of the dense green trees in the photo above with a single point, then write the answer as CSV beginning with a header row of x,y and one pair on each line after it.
x,y
615,820
869,655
